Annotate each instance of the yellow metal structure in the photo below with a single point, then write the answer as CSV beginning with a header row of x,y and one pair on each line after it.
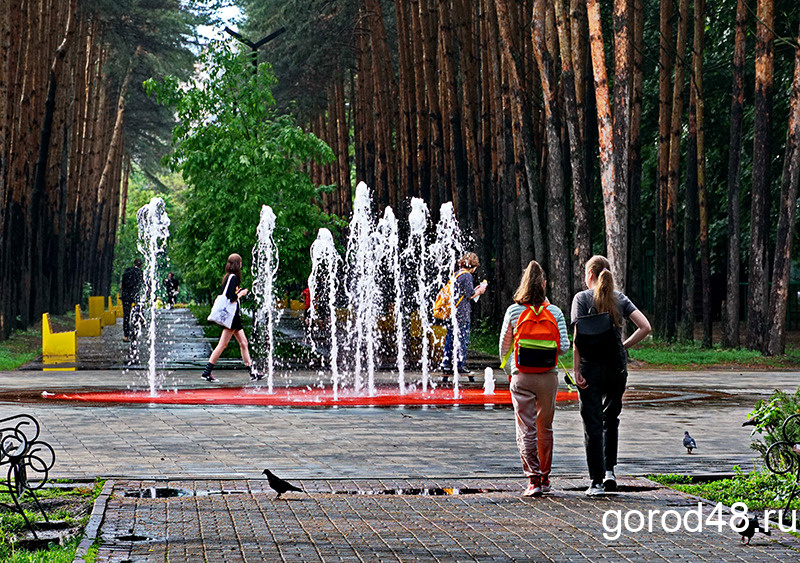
x,y
108,318
57,343
97,304
85,327
295,305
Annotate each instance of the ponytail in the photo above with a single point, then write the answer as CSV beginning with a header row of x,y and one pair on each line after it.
x,y
604,299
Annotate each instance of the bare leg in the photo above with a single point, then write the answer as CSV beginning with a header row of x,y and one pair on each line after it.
x,y
224,338
242,340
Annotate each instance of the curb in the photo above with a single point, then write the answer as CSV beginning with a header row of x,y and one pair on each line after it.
x,y
95,521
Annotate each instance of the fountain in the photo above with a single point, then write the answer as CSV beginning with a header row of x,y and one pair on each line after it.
x,y
365,301
265,269
444,253
153,234
415,254
324,262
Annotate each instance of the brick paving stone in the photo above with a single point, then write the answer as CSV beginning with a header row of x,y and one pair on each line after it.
x,y
248,524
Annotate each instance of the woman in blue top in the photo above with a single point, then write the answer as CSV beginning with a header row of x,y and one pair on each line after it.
x,y
233,273
601,382
464,291
533,394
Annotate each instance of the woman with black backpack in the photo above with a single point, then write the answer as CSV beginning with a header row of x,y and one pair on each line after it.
x,y
535,333
601,366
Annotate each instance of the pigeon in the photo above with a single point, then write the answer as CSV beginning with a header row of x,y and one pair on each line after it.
x,y
279,485
752,527
688,442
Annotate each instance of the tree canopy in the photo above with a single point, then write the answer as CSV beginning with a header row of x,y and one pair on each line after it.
x,y
237,152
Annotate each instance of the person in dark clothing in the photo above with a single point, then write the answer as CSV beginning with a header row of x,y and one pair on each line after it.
x,y
171,284
234,293
464,291
601,380
132,281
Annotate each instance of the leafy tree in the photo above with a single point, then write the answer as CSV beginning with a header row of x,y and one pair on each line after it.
x,y
236,153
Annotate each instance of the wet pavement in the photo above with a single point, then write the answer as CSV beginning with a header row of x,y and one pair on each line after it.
x,y
223,448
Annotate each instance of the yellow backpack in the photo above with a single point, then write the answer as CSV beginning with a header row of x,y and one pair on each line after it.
x,y
441,307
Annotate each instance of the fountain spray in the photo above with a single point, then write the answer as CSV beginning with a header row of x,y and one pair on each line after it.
x,y
265,269
325,259
153,226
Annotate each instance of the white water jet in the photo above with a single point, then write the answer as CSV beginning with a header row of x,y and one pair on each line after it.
x,y
153,226
488,381
445,252
361,288
265,270
415,254
388,247
325,260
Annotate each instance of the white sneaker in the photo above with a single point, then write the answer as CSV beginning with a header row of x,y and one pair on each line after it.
x,y
610,482
595,489
546,488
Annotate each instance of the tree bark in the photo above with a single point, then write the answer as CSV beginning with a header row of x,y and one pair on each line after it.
x,y
665,63
758,296
787,222
635,229
673,178
702,192
731,316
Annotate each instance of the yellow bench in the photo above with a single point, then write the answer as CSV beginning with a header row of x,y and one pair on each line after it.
x,y
57,343
97,310
85,327
116,308
295,305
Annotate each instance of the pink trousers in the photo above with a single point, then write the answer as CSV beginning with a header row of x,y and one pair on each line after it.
x,y
534,398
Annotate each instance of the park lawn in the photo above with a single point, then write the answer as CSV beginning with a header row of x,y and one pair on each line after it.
x,y
24,346
73,505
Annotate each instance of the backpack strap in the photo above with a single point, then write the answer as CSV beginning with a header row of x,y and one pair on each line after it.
x,y
460,273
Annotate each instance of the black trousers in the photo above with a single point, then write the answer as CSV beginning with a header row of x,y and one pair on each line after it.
x,y
600,406
128,326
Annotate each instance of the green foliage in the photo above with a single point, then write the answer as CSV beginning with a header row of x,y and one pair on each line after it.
x,y
237,153
769,416
757,489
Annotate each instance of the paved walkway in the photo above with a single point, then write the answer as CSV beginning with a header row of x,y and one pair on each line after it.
x,y
348,458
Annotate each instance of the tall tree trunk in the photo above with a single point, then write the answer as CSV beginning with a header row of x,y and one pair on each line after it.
x,y
758,296
558,263
686,327
787,222
423,165
582,243
621,138
529,213
671,207
429,50
665,63
616,229
731,317
636,245
702,193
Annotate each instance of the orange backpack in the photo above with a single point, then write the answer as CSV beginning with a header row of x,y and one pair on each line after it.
x,y
441,307
537,341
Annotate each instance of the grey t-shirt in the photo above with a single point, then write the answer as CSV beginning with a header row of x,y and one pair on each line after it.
x,y
584,301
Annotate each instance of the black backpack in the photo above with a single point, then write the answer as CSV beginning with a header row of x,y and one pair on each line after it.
x,y
596,337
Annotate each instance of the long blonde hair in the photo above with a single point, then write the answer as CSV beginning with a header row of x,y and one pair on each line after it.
x,y
531,286
604,299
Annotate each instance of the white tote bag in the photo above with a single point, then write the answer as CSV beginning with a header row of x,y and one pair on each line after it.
x,y
223,309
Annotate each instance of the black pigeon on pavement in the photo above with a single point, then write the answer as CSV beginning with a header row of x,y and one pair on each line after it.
x,y
752,527
279,485
688,442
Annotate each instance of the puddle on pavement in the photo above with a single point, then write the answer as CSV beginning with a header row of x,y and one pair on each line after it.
x,y
620,488
132,538
427,492
167,492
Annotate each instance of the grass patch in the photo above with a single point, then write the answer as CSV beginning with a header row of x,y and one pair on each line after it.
x,y
757,489
21,347
656,353
72,505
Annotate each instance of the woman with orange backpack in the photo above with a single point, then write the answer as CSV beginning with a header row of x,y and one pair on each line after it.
x,y
535,333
